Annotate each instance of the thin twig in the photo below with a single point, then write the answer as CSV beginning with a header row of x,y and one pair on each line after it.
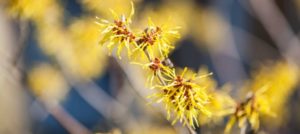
x,y
191,130
278,28
98,99
21,41
67,121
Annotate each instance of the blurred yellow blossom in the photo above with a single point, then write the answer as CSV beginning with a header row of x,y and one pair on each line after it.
x,y
89,57
281,78
48,83
213,31
74,47
171,14
220,106
249,112
267,95
33,9
53,39
209,83
101,6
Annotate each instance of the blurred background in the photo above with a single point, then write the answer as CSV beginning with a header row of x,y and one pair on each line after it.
x,y
55,79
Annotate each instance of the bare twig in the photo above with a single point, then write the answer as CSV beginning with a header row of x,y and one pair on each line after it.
x,y
21,41
72,125
98,99
104,104
191,130
278,28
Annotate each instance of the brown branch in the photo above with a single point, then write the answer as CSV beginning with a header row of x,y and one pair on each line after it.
x,y
67,121
278,28
21,41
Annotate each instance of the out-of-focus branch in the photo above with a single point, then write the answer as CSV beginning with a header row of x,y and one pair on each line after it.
x,y
67,121
278,28
258,43
224,54
13,115
21,41
103,103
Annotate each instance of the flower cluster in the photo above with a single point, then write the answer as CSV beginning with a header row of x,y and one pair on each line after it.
x,y
184,96
269,89
248,112
188,97
117,33
154,36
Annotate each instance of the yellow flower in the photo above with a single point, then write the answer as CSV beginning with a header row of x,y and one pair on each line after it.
x,y
156,37
101,6
171,14
74,47
269,90
248,113
281,78
89,58
47,83
117,33
183,97
34,9
214,30
157,68
220,106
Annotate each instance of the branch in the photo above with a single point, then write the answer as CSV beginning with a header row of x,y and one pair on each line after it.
x,y
278,28
67,121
